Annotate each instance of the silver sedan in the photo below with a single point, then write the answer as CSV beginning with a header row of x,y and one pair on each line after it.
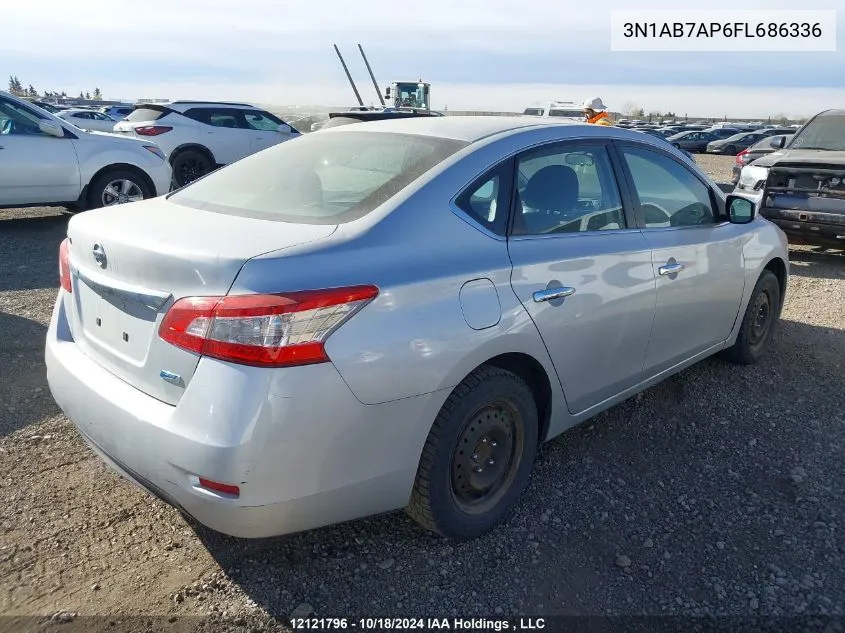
x,y
394,314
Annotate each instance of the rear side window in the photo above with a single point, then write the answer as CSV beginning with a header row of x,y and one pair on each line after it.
x,y
146,114
486,200
319,178
573,114
224,118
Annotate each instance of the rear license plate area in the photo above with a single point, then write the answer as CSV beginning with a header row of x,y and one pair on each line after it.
x,y
114,323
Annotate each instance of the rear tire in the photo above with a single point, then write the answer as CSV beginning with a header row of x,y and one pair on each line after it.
x,y
117,186
478,455
731,150
189,165
758,323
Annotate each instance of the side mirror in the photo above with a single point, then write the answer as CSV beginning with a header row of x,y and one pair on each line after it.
x,y
740,210
284,128
778,142
51,128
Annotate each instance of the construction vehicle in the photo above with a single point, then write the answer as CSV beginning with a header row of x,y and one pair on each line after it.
x,y
413,95
404,96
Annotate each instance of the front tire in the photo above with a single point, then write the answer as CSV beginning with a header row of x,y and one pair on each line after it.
x,y
478,455
117,186
730,150
758,323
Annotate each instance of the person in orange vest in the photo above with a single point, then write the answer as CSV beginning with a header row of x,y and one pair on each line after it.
x,y
596,112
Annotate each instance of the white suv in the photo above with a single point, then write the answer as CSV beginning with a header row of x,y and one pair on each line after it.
x,y
200,136
565,109
47,161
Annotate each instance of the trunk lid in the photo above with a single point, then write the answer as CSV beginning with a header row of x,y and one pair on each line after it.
x,y
129,263
125,128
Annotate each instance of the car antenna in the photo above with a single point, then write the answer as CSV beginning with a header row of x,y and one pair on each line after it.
x,y
372,76
348,76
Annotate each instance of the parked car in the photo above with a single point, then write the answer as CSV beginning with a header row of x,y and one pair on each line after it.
x,y
45,160
52,109
655,132
118,113
694,141
88,120
200,136
721,132
760,148
733,145
283,344
800,186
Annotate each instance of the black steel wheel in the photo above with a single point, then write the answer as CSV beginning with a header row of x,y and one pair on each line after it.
x,y
478,455
486,457
758,323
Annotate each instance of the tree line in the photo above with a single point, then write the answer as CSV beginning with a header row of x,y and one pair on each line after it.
x,y
17,88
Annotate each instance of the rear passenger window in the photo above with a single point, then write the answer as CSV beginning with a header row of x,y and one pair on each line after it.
x,y
223,119
486,200
568,189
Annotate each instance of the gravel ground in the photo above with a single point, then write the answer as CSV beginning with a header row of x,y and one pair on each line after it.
x,y
718,492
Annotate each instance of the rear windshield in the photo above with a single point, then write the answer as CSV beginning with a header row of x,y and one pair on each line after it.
x,y
146,114
322,178
338,121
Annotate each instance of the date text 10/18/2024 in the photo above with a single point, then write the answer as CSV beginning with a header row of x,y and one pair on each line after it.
x,y
419,624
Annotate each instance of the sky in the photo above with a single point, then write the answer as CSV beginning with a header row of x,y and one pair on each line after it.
x,y
477,54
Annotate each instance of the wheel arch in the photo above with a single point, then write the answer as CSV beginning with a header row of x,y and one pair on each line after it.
x,y
536,377
778,267
193,147
83,196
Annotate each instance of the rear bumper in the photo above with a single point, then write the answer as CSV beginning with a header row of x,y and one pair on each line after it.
x,y
304,452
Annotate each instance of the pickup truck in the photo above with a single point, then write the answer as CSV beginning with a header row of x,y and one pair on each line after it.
x,y
801,186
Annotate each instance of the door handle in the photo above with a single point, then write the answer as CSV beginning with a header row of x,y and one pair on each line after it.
x,y
550,294
671,269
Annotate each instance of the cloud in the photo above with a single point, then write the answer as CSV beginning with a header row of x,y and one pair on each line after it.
x,y
281,52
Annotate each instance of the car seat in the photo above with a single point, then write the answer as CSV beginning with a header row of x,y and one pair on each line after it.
x,y
551,191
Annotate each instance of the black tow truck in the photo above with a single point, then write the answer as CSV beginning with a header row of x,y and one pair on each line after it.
x,y
803,183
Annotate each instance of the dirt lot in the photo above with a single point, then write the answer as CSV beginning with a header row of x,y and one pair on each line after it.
x,y
718,492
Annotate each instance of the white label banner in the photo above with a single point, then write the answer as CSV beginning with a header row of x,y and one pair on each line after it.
x,y
724,30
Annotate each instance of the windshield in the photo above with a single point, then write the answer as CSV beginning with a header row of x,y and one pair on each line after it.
x,y
16,119
826,132
326,178
574,114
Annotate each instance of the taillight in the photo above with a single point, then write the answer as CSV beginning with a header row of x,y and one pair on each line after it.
x,y
64,266
152,130
742,157
272,330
